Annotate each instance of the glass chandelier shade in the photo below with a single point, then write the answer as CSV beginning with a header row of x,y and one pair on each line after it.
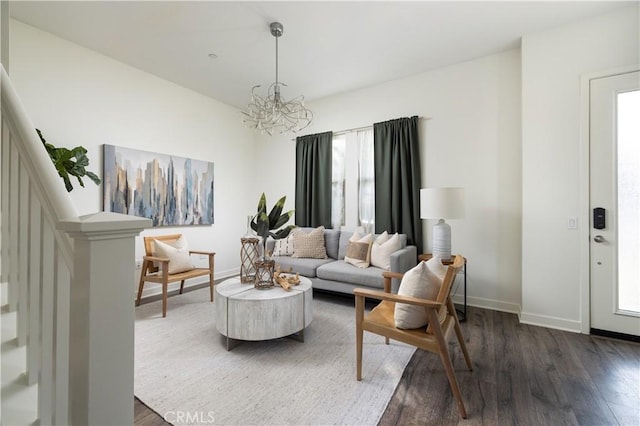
x,y
270,113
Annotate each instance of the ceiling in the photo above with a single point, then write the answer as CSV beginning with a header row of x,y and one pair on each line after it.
x,y
327,47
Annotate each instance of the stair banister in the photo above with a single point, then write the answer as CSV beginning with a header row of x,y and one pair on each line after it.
x,y
70,279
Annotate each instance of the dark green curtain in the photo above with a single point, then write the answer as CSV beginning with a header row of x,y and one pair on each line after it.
x,y
397,178
313,179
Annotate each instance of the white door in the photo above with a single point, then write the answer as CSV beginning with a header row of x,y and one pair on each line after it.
x,y
615,203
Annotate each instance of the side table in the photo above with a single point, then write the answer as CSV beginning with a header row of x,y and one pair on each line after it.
x,y
462,314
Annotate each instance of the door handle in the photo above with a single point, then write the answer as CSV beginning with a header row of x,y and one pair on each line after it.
x,y
598,239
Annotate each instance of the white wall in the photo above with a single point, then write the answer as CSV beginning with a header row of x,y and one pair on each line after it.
x,y
79,97
471,139
552,65
521,180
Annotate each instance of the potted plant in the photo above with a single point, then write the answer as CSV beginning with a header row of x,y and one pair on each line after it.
x,y
62,159
266,225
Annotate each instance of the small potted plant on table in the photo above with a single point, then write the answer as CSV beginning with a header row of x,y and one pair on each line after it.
x,y
267,225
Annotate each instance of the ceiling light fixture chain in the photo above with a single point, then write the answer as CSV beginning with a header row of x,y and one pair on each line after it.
x,y
271,113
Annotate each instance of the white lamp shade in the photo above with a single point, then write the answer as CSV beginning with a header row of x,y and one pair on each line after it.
x,y
442,203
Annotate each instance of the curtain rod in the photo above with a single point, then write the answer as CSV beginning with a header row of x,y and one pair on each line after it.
x,y
355,129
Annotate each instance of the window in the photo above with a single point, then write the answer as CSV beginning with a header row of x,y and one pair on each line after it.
x,y
337,181
366,181
353,197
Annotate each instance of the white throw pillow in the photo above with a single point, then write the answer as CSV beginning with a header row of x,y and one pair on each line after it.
x,y
178,254
435,265
420,282
283,246
382,249
309,245
359,250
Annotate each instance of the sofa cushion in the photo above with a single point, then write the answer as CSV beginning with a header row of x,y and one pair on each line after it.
x,y
344,272
309,244
345,237
331,240
382,248
359,250
306,267
283,246
403,240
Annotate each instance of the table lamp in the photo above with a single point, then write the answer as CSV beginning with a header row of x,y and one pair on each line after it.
x,y
441,204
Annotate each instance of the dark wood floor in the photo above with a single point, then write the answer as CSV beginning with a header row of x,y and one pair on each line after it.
x,y
523,375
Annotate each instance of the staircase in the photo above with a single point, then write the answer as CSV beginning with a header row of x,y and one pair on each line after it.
x,y
66,306
19,399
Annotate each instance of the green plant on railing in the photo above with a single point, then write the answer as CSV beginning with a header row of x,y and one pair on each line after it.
x,y
66,166
267,225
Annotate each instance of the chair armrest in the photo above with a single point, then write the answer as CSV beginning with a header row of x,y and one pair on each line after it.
x,y
381,295
155,258
388,277
208,253
389,274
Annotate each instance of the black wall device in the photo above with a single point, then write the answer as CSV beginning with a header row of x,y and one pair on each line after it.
x,y
599,221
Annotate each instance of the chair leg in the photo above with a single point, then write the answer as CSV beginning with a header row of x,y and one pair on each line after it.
x,y
460,336
359,335
463,346
141,284
165,285
181,286
453,382
446,361
211,267
140,287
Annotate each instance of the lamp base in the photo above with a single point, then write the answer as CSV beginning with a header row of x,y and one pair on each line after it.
x,y
442,240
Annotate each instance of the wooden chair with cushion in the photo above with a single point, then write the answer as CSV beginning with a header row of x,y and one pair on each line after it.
x,y
442,320
168,262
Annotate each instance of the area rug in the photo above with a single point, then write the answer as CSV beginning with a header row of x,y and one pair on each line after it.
x,y
184,372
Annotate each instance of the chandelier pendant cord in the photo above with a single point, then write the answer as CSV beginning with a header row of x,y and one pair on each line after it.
x,y
277,86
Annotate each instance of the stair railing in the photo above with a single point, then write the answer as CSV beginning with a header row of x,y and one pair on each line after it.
x,y
69,280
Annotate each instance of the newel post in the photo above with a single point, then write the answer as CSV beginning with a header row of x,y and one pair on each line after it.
x,y
101,324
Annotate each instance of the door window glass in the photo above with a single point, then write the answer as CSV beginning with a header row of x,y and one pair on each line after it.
x,y
628,135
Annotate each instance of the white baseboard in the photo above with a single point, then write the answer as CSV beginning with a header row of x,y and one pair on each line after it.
x,y
551,322
524,317
494,305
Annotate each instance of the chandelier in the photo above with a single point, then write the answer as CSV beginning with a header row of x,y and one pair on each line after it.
x,y
270,112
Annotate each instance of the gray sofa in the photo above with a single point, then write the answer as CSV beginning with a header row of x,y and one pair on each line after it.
x,y
334,274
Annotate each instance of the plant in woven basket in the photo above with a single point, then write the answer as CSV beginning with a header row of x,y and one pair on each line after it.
x,y
62,159
271,224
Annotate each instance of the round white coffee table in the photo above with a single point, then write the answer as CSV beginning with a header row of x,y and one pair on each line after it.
x,y
246,313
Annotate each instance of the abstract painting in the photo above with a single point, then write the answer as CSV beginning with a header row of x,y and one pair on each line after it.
x,y
169,190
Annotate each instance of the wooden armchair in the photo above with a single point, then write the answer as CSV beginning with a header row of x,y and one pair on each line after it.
x,y
433,337
151,272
